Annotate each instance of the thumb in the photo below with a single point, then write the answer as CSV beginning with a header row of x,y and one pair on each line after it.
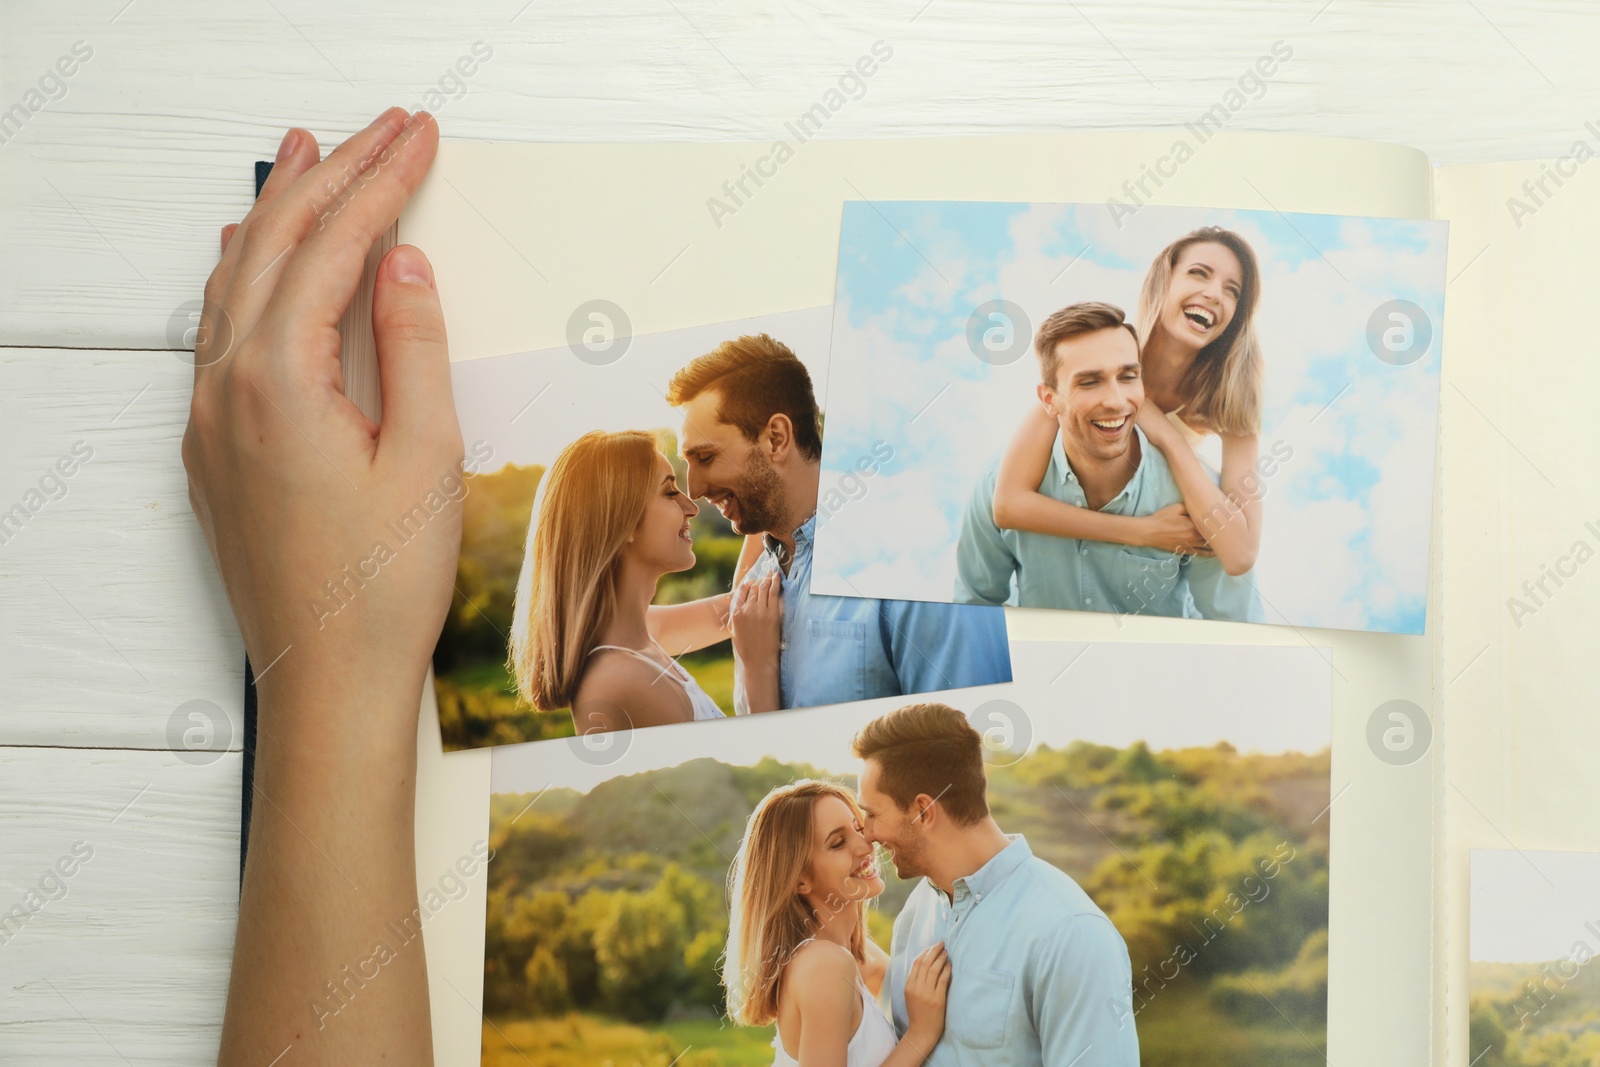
x,y
413,356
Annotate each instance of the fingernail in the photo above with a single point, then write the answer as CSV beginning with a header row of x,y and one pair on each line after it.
x,y
286,149
409,265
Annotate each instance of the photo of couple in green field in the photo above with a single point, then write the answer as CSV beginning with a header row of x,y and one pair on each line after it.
x,y
1016,880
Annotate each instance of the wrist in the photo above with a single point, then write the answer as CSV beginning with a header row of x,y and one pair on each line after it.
x,y
762,671
360,719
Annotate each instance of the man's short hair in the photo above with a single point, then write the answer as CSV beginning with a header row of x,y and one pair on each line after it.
x,y
932,749
755,377
1071,321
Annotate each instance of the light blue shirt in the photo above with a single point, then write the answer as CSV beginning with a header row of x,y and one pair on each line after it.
x,y
836,648
1035,570
1038,975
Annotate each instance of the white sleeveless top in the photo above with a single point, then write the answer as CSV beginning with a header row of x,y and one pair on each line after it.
x,y
704,707
869,1046
1206,445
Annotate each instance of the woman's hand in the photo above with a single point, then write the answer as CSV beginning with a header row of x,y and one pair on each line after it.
x,y
1170,529
757,623
298,493
300,497
927,987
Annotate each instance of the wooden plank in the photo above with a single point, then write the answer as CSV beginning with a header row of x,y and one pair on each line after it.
x,y
114,616
126,959
116,190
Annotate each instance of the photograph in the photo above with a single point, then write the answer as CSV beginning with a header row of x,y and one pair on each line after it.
x,y
1015,877
637,536
1183,412
1533,931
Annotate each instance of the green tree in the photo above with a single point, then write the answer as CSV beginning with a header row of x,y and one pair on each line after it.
x,y
1486,1036
639,947
702,960
546,983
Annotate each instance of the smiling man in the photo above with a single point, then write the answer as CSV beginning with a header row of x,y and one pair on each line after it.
x,y
752,439
1038,974
1090,384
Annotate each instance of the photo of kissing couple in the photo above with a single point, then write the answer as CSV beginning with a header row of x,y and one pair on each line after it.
x,y
663,575
1043,976
1026,880
1186,366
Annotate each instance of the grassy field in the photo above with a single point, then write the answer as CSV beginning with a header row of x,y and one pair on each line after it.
x,y
581,1040
1187,1031
1190,1031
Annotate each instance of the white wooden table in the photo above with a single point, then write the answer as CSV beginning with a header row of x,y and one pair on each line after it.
x,y
111,619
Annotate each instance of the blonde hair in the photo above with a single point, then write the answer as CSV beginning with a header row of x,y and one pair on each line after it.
x,y
588,503
768,920
1222,388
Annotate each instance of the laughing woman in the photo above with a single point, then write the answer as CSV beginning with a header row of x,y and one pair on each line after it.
x,y
1202,371
608,522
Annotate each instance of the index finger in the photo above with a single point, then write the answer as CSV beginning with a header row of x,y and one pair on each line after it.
x,y
321,276
299,186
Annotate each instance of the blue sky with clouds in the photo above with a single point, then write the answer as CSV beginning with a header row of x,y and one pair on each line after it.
x,y
1346,532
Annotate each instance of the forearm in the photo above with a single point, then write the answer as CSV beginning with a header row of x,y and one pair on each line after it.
x,y
681,628
761,689
912,1050
1231,531
1033,511
328,960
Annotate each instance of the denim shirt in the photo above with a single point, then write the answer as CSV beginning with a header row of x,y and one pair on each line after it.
x,y
1038,975
1035,570
836,649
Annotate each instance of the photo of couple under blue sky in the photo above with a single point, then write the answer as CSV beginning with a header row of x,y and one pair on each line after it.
x,y
934,317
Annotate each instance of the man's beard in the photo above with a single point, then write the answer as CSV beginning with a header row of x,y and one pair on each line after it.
x,y
908,859
760,498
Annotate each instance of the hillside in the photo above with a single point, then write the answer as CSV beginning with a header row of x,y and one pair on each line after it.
x,y
612,904
1544,1014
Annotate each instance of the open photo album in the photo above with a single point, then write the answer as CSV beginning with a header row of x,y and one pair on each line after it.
x,y
922,579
